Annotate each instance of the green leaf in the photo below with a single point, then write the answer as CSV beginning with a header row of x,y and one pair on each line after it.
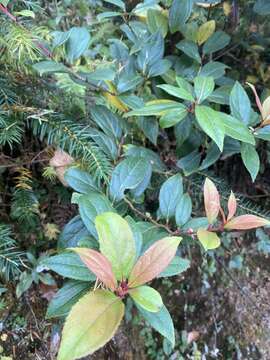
x,y
68,265
25,13
118,3
90,206
235,128
101,73
250,159
208,239
77,43
179,13
4,2
130,174
72,233
149,127
216,42
157,21
150,155
161,321
155,107
156,258
109,122
210,124
147,297
66,297
108,15
48,66
169,196
203,86
196,223
183,210
177,266
179,92
213,69
91,323
190,48
137,235
262,7
172,117
116,243
240,103
205,31
80,181
99,265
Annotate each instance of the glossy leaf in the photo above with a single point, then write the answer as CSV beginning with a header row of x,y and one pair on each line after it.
x,y
153,261
80,180
232,206
173,117
179,13
91,323
208,121
211,201
203,86
217,41
73,232
161,321
66,297
155,107
177,266
68,265
240,103
208,239
213,69
157,21
179,92
147,297
250,159
130,174
108,121
169,196
183,210
246,222
116,243
205,31
99,265
90,206
190,48
77,43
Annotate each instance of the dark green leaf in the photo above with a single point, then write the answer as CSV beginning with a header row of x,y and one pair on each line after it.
x,y
240,103
177,266
262,7
169,196
214,69
250,159
216,42
73,232
149,127
77,43
203,86
183,210
190,49
179,13
157,21
80,181
48,66
109,122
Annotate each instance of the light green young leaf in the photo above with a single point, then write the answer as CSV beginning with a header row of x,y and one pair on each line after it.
x,y
183,210
155,107
203,86
91,323
250,159
209,122
25,13
116,243
161,321
179,92
208,239
169,196
240,103
147,297
172,117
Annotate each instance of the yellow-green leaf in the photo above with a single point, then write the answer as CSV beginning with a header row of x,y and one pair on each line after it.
x,y
116,243
205,31
91,323
154,261
147,297
208,239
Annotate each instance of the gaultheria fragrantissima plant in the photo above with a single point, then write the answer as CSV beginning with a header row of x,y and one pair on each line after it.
x,y
96,316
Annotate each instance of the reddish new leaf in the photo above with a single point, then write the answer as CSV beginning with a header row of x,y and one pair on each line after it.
x,y
99,265
211,201
232,205
246,222
154,261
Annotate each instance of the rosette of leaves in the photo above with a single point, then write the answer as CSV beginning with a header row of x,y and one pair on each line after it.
x,y
208,237
94,319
